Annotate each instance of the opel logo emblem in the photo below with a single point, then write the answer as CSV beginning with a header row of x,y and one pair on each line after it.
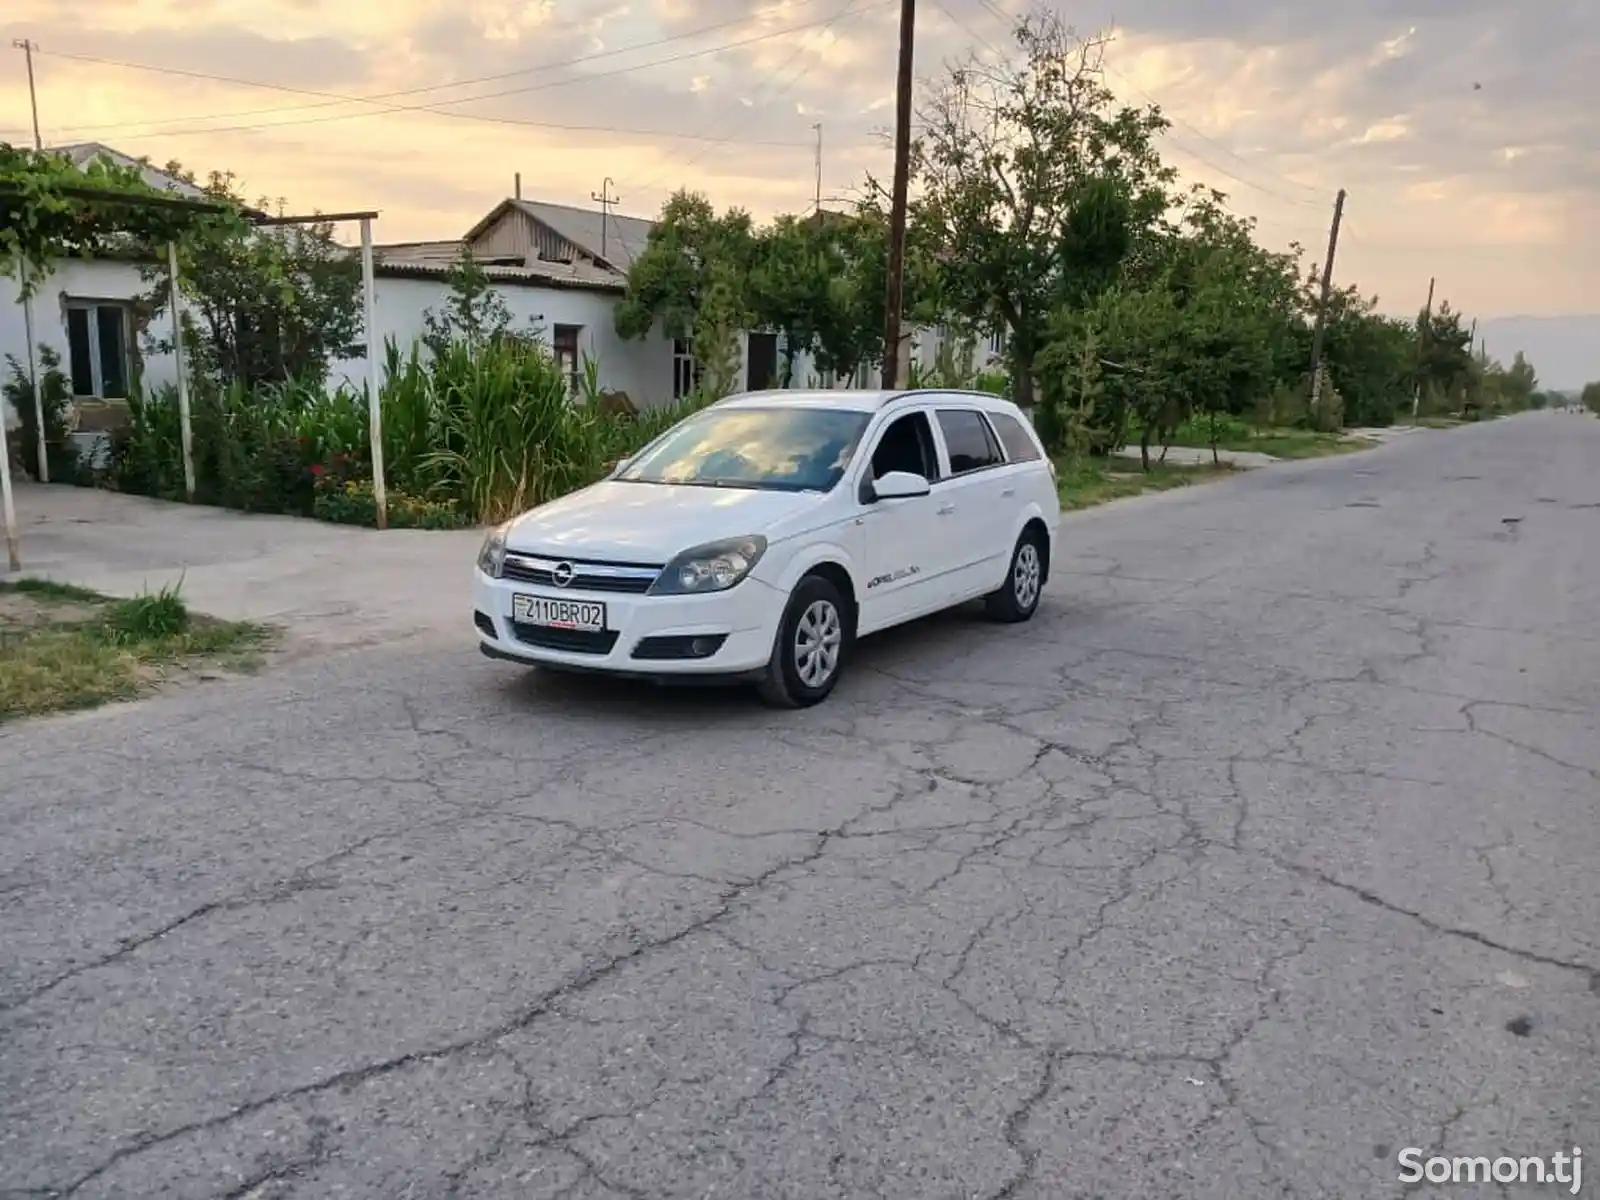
x,y
562,574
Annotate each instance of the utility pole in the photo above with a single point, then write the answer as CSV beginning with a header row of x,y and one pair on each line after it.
x,y
1422,345
1322,305
895,298
605,200
27,48
818,128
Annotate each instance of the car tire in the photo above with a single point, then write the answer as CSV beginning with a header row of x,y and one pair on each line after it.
x,y
1017,598
817,618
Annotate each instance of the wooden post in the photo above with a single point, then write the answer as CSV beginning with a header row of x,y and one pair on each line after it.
x,y
895,298
818,128
1322,306
374,401
13,546
42,449
1422,342
185,424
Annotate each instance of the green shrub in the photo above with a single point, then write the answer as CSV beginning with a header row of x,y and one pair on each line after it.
x,y
996,383
1198,429
476,433
146,618
147,456
60,455
1327,415
355,503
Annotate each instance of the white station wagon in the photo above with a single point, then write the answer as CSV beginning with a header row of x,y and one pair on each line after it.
x,y
757,539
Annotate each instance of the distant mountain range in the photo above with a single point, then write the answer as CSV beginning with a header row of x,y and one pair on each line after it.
x,y
1565,351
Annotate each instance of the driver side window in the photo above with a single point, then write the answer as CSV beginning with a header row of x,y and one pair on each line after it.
x,y
907,445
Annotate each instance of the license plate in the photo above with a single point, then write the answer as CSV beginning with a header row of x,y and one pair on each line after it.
x,y
586,615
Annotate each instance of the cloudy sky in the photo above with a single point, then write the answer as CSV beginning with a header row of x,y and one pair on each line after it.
x,y
1467,133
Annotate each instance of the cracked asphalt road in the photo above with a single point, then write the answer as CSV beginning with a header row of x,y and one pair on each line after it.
x,y
1267,849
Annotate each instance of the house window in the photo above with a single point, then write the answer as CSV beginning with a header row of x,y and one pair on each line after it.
x,y
565,343
97,347
685,371
997,342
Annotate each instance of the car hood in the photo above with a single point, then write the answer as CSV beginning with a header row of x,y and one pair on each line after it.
x,y
648,523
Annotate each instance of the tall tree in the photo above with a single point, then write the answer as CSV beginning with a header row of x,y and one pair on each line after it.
x,y
690,249
473,312
1522,382
797,260
262,305
1034,184
1370,358
1445,366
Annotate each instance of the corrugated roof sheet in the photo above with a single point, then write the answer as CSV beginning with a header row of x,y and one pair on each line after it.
x,y
433,260
446,251
624,237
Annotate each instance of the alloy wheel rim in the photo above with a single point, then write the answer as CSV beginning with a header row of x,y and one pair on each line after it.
x,y
818,639
1025,576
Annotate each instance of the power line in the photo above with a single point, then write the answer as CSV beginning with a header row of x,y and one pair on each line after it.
x,y
970,31
334,99
514,121
805,69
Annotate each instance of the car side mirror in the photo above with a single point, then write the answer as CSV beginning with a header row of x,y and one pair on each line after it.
x,y
900,485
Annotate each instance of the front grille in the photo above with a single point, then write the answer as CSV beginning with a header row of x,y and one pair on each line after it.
x,y
574,641
632,579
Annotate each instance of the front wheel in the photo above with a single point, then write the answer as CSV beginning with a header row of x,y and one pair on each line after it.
x,y
1016,599
812,640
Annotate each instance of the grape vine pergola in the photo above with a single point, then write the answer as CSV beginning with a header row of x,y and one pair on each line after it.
x,y
50,209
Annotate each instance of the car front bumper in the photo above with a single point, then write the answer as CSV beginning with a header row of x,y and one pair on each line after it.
x,y
654,636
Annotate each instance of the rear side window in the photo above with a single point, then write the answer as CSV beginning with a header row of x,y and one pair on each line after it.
x,y
1019,446
969,439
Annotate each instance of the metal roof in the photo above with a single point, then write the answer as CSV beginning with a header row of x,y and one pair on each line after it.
x,y
624,238
433,260
420,252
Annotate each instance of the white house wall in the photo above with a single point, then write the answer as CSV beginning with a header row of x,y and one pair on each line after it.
x,y
81,280
642,369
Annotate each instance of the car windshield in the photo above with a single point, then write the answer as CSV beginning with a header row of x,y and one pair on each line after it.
x,y
775,449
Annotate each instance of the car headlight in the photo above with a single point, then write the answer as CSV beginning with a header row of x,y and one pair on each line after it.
x,y
492,556
714,567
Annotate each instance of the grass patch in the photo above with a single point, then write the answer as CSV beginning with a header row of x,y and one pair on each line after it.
x,y
1086,482
1280,443
65,648
44,589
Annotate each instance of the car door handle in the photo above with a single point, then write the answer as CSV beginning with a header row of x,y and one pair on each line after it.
x,y
946,509
1009,492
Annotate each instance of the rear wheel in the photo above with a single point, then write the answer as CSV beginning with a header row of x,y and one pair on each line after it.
x,y
810,651
1017,598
